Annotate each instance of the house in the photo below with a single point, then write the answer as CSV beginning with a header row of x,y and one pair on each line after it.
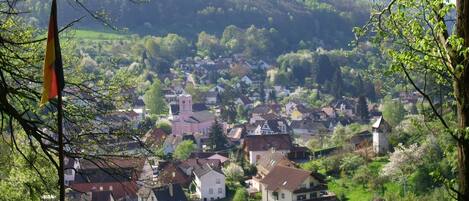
x,y
271,127
345,106
218,88
290,184
381,130
246,80
168,172
308,127
263,117
121,176
154,136
190,121
171,142
102,196
330,111
71,165
189,165
266,109
300,112
209,182
212,97
235,134
243,100
256,146
171,192
361,140
265,164
290,106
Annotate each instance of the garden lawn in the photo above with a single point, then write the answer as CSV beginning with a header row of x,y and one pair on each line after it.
x,y
352,191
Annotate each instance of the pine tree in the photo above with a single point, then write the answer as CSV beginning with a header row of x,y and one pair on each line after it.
x,y
337,86
362,109
217,139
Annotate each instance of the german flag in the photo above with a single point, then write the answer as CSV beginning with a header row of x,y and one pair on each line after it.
x,y
53,69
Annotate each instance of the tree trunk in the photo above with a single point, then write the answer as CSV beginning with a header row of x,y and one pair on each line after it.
x,y
461,93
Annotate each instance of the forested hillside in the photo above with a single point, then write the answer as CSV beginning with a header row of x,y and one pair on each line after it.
x,y
318,23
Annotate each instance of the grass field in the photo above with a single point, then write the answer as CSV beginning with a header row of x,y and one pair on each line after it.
x,y
98,35
358,192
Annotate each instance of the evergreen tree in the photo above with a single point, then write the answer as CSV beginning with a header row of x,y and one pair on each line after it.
x,y
362,109
217,139
336,87
273,96
326,70
262,93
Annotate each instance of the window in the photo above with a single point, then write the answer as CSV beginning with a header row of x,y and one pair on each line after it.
x,y
282,195
218,181
313,195
301,197
220,191
210,191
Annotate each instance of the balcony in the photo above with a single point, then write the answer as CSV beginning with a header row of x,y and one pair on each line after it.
x,y
320,187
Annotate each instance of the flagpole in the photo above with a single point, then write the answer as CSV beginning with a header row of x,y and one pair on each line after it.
x,y
61,145
59,107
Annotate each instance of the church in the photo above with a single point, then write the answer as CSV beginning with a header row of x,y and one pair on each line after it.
x,y
189,118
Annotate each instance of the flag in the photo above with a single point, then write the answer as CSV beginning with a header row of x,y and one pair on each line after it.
x,y
52,69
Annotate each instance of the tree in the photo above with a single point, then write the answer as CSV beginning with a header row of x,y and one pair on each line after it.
x,y
241,194
393,111
154,99
336,86
326,70
217,139
430,47
184,149
234,172
208,45
165,125
31,163
362,109
239,70
350,163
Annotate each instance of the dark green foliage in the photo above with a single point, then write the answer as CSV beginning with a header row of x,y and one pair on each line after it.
x,y
217,140
241,194
184,149
326,70
163,51
165,125
362,109
293,20
336,86
208,45
393,111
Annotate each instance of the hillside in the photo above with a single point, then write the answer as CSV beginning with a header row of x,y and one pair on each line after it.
x,y
320,24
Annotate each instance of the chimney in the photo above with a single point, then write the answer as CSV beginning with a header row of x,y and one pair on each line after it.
x,y
171,193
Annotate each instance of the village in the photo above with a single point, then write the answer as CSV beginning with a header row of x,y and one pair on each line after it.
x,y
239,136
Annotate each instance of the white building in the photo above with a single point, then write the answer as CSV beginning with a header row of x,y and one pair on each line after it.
x,y
257,146
210,183
290,184
381,130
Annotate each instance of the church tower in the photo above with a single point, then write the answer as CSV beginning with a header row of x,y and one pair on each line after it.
x,y
185,105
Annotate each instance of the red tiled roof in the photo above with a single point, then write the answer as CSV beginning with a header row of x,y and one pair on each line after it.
x,y
282,177
266,142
